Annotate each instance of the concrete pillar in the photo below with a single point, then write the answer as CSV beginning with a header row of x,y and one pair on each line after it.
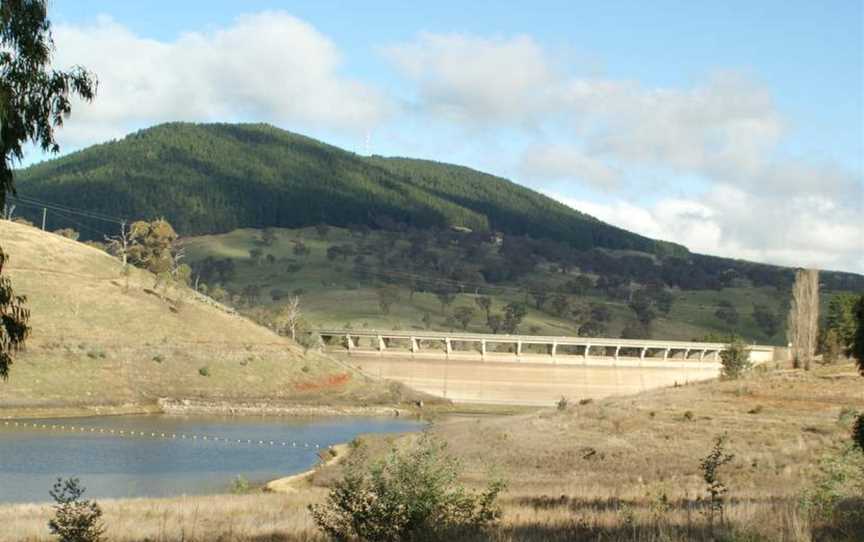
x,y
702,355
448,346
483,348
687,354
666,353
350,342
381,345
518,348
617,349
554,349
587,351
642,353
414,346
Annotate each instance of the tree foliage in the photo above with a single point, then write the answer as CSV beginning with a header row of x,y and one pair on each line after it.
x,y
75,519
735,359
14,317
34,99
410,495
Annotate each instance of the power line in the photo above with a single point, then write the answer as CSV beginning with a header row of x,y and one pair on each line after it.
x,y
93,215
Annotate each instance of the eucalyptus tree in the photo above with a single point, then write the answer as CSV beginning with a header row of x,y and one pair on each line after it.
x,y
34,100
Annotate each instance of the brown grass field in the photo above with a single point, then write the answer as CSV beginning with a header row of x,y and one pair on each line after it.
x,y
624,468
98,346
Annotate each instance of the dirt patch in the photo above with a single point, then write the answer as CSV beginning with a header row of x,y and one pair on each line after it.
x,y
326,382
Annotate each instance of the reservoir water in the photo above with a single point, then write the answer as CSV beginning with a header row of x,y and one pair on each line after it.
x,y
118,465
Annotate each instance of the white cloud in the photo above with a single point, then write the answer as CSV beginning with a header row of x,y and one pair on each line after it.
x,y
731,223
721,136
479,80
561,162
265,66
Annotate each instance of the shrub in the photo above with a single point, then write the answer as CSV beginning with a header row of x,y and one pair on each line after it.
x,y
563,403
240,485
688,415
410,495
858,433
716,489
74,520
735,359
204,371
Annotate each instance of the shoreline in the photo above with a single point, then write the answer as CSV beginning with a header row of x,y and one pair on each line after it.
x,y
181,407
291,483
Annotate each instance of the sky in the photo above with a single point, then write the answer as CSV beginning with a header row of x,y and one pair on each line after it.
x,y
735,128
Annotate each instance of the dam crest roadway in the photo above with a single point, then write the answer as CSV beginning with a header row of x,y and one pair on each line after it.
x,y
528,369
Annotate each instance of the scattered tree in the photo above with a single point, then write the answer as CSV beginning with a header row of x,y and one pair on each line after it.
x,y
387,296
766,319
75,519
735,359
268,237
485,304
446,297
540,293
289,317
803,322
727,313
495,322
514,313
840,321
323,230
710,466
591,328
464,315
560,305
68,233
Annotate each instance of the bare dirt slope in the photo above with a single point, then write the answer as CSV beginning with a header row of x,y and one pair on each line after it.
x,y
97,342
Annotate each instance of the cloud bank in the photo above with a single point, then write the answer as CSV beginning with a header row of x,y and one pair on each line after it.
x,y
719,141
268,66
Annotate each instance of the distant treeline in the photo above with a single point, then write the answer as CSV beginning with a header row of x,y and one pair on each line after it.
x,y
218,177
213,178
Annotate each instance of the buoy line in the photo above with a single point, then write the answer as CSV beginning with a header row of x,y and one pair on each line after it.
x,y
158,434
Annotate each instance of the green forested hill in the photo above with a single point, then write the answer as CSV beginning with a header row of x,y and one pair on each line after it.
x,y
213,178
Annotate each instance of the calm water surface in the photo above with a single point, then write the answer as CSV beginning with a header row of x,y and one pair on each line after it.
x,y
111,465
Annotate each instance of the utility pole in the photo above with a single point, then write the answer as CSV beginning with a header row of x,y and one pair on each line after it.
x,y
44,215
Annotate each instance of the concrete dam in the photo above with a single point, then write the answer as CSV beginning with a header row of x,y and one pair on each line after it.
x,y
527,369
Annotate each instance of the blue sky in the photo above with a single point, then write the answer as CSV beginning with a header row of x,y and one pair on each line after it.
x,y
736,128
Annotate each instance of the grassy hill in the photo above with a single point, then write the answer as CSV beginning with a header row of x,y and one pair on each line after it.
x,y
96,343
214,178
334,294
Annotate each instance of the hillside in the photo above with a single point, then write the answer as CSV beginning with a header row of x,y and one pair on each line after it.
x,y
96,344
214,178
344,291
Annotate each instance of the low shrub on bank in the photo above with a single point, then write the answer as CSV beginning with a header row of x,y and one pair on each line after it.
x,y
412,494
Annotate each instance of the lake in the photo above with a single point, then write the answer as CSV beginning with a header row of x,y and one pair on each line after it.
x,y
207,460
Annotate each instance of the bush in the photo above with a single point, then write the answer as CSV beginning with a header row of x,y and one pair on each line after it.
x,y
75,520
204,371
410,495
563,403
858,433
240,485
735,359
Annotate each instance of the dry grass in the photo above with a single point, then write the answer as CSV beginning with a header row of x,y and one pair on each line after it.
x,y
608,470
95,343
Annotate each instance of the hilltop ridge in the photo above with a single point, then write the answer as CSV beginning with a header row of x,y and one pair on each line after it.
x,y
214,178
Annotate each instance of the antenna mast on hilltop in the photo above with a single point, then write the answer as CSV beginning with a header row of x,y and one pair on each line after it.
x,y
367,144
